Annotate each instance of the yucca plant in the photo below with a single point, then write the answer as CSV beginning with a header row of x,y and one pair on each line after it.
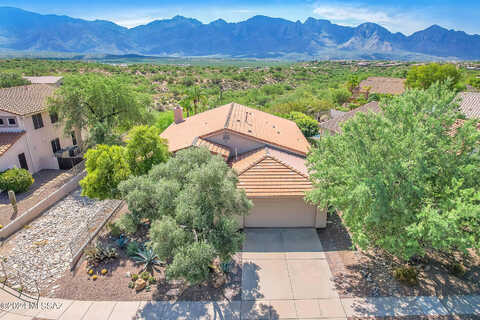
x,y
148,258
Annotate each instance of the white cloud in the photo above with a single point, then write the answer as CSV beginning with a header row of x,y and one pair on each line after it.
x,y
394,20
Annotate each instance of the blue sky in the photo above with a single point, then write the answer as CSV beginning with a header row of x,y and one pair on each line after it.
x,y
404,16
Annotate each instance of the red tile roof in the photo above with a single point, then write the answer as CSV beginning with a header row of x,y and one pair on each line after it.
x,y
213,147
333,125
268,172
470,104
8,139
24,100
243,120
383,85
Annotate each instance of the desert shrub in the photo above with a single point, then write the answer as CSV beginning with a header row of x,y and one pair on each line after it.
x,y
457,269
306,124
132,248
145,275
114,229
407,275
127,224
17,180
152,280
99,253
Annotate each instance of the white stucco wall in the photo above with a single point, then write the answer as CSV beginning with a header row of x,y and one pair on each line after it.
x,y
10,158
39,141
35,143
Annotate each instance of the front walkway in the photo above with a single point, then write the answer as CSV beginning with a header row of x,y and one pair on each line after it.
x,y
155,310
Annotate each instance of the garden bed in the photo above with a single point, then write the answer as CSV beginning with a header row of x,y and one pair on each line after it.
x,y
114,285
370,274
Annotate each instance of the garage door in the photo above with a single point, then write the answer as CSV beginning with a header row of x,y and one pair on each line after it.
x,y
280,213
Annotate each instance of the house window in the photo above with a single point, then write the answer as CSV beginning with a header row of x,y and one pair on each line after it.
x,y
55,145
2,122
12,122
23,161
53,117
74,139
37,121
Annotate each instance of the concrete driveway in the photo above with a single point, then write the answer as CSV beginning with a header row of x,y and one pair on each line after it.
x,y
285,271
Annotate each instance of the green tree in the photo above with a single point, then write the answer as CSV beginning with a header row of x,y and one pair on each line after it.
x,y
197,97
8,80
352,83
192,200
187,106
423,77
307,125
474,82
401,181
163,119
145,149
107,104
340,95
106,167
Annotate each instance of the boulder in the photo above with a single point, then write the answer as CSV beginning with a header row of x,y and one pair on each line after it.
x,y
140,284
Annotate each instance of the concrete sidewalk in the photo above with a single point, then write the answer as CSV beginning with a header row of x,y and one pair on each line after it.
x,y
259,309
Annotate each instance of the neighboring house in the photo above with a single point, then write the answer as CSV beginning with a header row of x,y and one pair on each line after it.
x,y
332,126
50,80
470,104
267,152
381,85
30,137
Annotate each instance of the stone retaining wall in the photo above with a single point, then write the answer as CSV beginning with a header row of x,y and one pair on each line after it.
x,y
40,207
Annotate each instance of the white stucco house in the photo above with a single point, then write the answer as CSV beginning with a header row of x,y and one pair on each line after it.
x,y
31,137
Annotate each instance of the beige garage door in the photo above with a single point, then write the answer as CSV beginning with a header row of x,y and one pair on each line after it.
x,y
280,213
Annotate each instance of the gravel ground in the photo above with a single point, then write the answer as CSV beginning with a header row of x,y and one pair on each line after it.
x,y
370,273
41,249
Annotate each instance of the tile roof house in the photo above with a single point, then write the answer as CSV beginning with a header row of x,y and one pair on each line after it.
x,y
51,80
333,126
267,152
383,85
470,104
30,136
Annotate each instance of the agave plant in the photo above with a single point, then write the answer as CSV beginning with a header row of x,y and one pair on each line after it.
x,y
148,258
121,241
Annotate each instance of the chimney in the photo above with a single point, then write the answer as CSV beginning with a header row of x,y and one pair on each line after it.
x,y
178,114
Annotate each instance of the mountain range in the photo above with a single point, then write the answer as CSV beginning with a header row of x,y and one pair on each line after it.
x,y
257,37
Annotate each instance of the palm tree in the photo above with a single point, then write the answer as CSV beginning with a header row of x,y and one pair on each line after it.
x,y
196,96
186,106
